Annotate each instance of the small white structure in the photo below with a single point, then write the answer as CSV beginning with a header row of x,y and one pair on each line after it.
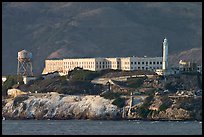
x,y
26,79
3,79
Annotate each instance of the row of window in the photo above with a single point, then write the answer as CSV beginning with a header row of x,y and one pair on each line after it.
x,y
104,63
78,63
145,68
154,62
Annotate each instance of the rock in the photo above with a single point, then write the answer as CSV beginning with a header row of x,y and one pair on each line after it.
x,y
15,92
58,107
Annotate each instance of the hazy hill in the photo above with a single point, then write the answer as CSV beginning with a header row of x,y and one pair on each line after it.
x,y
83,29
193,55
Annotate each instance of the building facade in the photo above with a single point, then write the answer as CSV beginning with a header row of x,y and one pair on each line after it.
x,y
63,66
95,64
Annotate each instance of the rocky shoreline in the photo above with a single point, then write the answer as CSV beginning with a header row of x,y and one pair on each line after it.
x,y
55,106
58,106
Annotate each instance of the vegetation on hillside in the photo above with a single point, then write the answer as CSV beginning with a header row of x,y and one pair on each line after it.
x,y
82,75
9,83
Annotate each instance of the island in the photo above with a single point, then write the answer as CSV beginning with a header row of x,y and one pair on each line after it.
x,y
105,95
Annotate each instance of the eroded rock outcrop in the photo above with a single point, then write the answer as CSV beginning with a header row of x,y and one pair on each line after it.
x,y
59,106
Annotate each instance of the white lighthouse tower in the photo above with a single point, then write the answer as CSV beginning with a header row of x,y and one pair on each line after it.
x,y
165,55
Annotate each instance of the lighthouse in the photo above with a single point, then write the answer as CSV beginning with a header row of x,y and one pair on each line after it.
x,y
165,54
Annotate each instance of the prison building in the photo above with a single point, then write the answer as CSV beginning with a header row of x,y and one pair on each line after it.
x,y
95,64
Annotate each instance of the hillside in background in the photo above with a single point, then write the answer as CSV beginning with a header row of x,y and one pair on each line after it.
x,y
84,29
193,55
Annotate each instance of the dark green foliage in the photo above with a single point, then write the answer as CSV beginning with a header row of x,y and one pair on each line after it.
x,y
19,99
111,95
80,74
150,92
119,102
147,102
163,107
62,85
10,81
166,103
135,82
170,86
199,78
143,110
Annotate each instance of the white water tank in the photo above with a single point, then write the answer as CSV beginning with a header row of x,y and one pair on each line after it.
x,y
24,55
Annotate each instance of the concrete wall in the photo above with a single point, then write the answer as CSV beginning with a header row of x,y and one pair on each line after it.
x,y
95,64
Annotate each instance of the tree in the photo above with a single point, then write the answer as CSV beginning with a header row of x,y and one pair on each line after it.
x,y
10,81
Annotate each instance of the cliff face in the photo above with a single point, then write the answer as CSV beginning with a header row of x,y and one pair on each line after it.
x,y
182,108
59,106
56,106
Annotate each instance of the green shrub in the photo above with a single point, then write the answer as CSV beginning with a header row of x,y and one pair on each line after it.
x,y
82,75
166,103
119,102
111,95
10,81
135,82
143,110
147,102
143,113
170,86
163,107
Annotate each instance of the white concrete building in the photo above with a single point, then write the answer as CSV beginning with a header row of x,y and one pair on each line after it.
x,y
122,63
95,64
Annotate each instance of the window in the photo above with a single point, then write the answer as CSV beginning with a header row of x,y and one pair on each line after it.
x,y
138,63
146,63
153,62
157,62
135,63
150,62
131,63
160,62
142,62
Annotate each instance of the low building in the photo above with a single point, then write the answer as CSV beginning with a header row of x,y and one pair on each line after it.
x,y
94,64
170,71
187,66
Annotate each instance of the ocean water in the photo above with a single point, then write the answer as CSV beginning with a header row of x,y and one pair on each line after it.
x,y
98,127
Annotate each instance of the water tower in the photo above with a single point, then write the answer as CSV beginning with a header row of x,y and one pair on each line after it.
x,y
24,63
